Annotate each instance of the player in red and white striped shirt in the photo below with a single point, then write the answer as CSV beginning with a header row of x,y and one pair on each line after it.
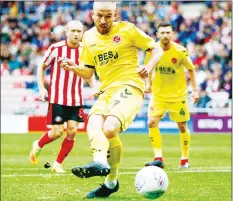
x,y
64,94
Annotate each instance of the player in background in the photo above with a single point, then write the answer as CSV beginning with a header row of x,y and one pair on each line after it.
x,y
64,95
111,49
169,92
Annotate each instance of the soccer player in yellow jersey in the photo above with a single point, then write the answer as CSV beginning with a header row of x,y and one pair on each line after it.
x,y
169,92
111,49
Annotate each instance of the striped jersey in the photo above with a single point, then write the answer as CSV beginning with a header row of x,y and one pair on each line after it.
x,y
65,86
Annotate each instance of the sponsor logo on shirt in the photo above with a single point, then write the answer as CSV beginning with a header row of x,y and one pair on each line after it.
x,y
106,57
165,70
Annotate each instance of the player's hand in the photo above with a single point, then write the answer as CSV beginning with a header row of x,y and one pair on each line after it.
x,y
143,72
66,64
148,88
95,92
43,93
195,96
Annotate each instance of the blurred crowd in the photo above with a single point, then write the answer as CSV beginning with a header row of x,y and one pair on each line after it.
x,y
29,28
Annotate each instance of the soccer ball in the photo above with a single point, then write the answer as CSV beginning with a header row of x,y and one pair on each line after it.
x,y
151,182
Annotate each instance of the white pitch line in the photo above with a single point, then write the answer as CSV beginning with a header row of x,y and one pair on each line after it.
x,y
126,168
46,198
184,171
196,168
123,173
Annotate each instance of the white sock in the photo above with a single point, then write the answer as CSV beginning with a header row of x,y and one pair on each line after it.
x,y
99,145
50,134
102,161
110,184
56,163
158,153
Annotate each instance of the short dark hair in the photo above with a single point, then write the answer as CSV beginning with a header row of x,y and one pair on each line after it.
x,y
165,24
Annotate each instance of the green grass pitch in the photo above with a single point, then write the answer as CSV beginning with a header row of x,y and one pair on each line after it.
x,y
208,178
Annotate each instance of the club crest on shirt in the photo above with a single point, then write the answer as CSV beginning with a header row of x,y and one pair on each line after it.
x,y
174,60
58,119
116,39
81,113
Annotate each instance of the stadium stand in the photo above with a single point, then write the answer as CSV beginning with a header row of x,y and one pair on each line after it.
x,y
28,28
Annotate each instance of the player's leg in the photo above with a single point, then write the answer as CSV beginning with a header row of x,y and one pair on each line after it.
x,y
66,146
123,106
125,103
54,118
99,146
111,128
98,141
156,111
156,141
185,139
48,137
179,113
72,115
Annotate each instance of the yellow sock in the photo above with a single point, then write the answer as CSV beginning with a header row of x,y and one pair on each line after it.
x,y
185,144
99,145
156,141
114,157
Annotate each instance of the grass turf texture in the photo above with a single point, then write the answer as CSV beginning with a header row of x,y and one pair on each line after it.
x,y
208,179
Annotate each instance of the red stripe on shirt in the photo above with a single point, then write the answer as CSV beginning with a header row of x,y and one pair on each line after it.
x,y
80,91
66,79
74,79
51,62
58,76
73,90
49,54
50,86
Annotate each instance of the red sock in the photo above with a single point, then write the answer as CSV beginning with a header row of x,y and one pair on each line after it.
x,y
158,158
45,139
183,161
66,147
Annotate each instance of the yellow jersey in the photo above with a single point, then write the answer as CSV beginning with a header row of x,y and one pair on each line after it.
x,y
169,82
115,55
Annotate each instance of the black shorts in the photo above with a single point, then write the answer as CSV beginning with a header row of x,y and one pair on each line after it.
x,y
58,114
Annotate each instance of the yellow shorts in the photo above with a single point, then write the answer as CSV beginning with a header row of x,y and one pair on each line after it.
x,y
178,111
123,102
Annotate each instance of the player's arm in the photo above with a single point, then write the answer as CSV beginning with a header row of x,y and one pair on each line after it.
x,y
92,82
84,71
148,88
86,66
142,41
195,91
48,60
192,75
43,93
156,54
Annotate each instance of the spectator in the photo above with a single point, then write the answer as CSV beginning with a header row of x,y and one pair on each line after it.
x,y
28,29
